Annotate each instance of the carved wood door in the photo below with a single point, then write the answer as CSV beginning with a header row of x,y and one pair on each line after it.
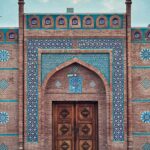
x,y
75,126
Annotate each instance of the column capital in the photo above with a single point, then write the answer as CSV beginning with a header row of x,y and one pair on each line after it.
x,y
128,2
21,2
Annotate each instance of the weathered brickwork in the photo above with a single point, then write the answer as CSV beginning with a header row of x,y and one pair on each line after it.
x,y
71,58
140,93
8,95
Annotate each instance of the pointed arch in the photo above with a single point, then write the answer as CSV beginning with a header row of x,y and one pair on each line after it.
x,y
46,102
78,61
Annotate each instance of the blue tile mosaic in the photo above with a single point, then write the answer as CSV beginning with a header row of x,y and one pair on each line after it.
x,y
3,147
75,84
8,69
4,84
4,117
146,146
51,61
140,67
117,45
141,133
145,83
145,54
145,117
32,81
8,101
117,79
8,134
141,100
4,55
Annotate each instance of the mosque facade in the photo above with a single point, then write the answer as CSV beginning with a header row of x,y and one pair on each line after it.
x,y
75,81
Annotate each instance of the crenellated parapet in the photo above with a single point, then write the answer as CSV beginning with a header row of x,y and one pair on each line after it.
x,y
141,35
74,21
8,35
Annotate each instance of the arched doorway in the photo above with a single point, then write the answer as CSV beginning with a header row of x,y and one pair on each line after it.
x,y
75,109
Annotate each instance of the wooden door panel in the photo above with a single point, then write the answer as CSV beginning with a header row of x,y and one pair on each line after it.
x,y
64,130
85,112
86,145
75,126
85,130
63,124
86,123
64,145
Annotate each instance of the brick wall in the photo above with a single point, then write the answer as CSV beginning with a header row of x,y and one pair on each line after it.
x,y
140,56
9,96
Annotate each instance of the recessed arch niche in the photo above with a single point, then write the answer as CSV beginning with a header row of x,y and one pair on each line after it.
x,y
94,88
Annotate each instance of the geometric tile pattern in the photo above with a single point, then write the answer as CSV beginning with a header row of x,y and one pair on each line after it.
x,y
75,84
51,61
32,81
145,116
145,83
117,79
146,146
4,117
117,47
3,147
145,54
75,69
4,55
4,84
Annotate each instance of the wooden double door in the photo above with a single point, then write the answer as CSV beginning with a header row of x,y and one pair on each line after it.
x,y
75,126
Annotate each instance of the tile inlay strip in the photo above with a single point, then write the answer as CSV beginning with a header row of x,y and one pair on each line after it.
x,y
7,134
8,68
140,67
141,100
8,100
141,133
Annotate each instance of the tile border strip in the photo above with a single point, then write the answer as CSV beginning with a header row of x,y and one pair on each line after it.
x,y
8,101
140,67
8,134
141,133
141,100
8,69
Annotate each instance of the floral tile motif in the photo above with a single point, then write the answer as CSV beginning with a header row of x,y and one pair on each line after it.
x,y
4,117
145,117
4,55
145,54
